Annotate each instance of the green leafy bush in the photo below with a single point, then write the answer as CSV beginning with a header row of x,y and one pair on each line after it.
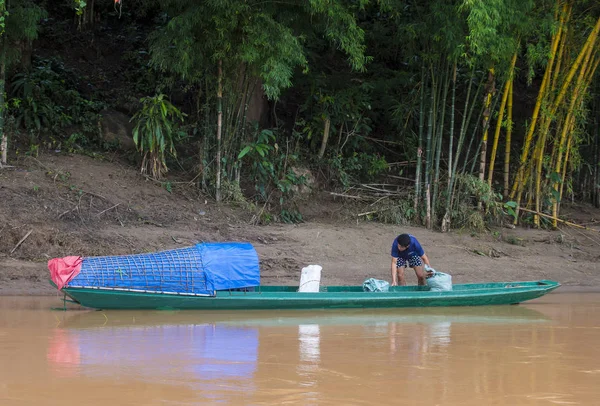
x,y
45,99
154,133
273,174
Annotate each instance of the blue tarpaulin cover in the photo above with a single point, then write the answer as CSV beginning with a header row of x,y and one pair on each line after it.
x,y
200,270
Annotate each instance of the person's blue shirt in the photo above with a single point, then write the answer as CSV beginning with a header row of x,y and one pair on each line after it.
x,y
414,249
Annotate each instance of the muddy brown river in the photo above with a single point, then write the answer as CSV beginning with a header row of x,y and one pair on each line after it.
x,y
545,352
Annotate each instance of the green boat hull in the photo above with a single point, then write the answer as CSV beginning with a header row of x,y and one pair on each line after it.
x,y
329,297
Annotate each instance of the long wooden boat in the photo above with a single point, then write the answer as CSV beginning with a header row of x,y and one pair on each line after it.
x,y
329,297
226,276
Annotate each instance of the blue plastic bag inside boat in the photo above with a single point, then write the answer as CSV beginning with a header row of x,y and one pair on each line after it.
x,y
376,285
439,281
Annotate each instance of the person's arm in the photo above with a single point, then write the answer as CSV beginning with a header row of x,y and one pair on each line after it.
x,y
425,259
394,274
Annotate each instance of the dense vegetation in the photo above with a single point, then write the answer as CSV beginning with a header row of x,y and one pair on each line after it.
x,y
450,113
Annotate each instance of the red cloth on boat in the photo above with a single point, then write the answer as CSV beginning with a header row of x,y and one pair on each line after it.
x,y
62,270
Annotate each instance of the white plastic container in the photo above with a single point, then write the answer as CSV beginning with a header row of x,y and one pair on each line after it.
x,y
310,278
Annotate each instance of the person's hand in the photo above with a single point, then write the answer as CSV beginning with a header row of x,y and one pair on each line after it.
x,y
429,274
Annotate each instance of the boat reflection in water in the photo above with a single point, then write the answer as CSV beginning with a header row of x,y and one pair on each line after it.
x,y
209,357
225,353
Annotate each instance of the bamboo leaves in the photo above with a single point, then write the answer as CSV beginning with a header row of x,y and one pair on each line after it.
x,y
154,133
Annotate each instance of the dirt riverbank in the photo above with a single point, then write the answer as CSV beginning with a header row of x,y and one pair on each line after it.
x,y
77,205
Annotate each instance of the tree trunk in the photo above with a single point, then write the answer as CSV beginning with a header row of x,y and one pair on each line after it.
x,y
519,183
446,218
3,136
219,128
428,154
486,118
440,142
564,172
428,206
508,141
580,89
595,162
500,119
420,145
325,136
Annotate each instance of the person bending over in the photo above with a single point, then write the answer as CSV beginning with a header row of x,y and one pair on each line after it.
x,y
407,251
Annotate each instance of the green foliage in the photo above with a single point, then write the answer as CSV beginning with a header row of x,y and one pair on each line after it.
x,y
45,99
466,214
273,174
399,211
264,36
495,26
510,208
21,25
154,133
347,108
360,166
3,15
79,6
139,75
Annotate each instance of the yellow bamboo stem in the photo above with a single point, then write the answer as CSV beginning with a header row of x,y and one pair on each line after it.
x,y
564,171
569,124
518,184
486,118
585,50
500,118
508,139
561,48
584,55
586,75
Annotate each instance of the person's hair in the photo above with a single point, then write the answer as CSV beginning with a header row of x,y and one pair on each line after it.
x,y
403,240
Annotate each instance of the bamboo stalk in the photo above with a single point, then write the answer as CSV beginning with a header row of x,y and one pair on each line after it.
x,y
564,173
440,141
518,184
461,139
446,219
219,128
570,120
428,153
562,45
582,57
3,136
420,144
486,118
500,119
508,140
327,126
587,48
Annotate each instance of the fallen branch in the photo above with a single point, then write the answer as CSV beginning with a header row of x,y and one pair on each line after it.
x,y
559,220
104,211
373,212
154,223
401,178
68,211
94,194
21,242
588,237
378,200
348,196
